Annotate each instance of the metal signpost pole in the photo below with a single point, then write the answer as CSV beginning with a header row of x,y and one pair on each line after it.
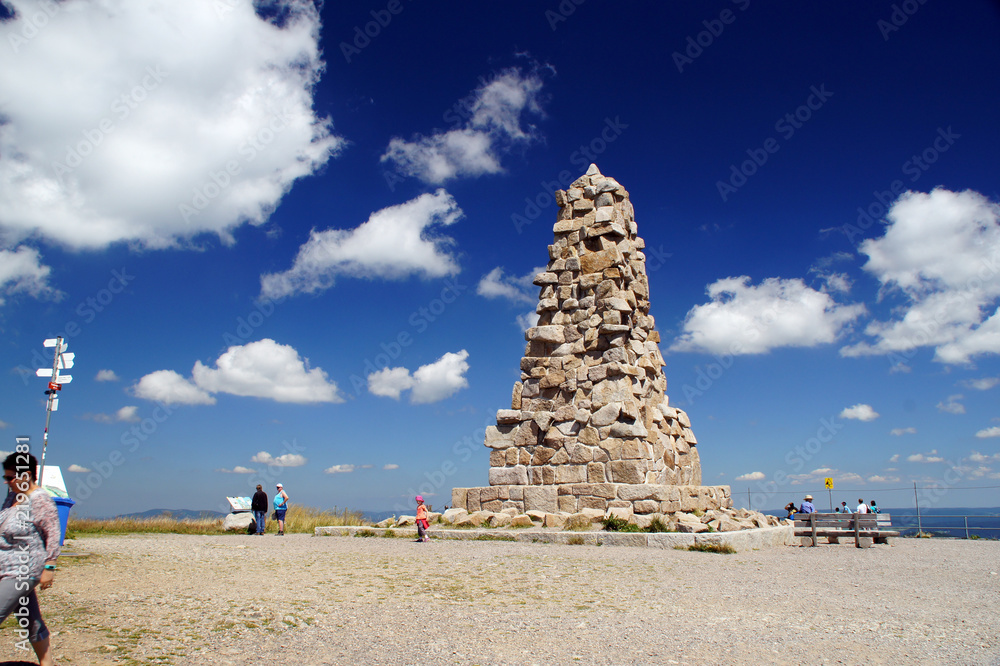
x,y
61,360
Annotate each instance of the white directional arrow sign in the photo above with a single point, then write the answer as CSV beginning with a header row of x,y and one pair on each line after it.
x,y
52,342
43,372
66,361
63,379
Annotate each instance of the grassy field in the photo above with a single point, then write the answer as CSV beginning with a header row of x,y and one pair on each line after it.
x,y
302,519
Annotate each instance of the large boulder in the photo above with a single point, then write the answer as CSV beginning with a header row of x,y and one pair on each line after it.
x,y
237,522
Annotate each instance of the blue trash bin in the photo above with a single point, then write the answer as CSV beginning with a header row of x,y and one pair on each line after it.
x,y
63,504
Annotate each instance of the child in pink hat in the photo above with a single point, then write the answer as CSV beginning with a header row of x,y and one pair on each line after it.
x,y
422,523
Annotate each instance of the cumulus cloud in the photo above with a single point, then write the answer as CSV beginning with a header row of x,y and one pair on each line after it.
x,y
21,270
903,431
261,369
951,405
989,432
931,457
239,469
515,289
978,457
746,319
286,460
982,384
938,254
170,388
390,382
752,476
390,466
429,383
879,478
495,123
860,412
894,458
78,469
266,369
339,469
527,320
148,122
395,243
106,376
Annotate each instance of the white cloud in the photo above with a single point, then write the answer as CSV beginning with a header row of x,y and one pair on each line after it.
x,y
261,369
931,457
21,271
752,476
939,253
339,469
78,469
527,320
475,148
983,384
951,405
981,458
746,319
894,458
390,466
903,431
390,382
989,432
517,289
147,107
4,425
239,469
127,414
266,369
430,383
286,460
860,412
106,376
169,387
395,243
878,478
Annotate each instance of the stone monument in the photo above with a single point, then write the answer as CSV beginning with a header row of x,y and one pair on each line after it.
x,y
590,425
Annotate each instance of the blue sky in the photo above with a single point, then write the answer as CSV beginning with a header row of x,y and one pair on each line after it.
x,y
296,244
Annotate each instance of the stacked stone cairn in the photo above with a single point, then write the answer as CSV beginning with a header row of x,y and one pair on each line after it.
x,y
590,426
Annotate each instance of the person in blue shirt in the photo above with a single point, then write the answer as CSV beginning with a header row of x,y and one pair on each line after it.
x,y
807,505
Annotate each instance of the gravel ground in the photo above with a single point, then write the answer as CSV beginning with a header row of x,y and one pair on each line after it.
x,y
305,600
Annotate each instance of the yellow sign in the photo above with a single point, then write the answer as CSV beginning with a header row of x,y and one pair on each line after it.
x,y
829,483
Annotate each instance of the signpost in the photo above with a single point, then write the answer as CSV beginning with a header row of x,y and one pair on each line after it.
x,y
828,482
61,360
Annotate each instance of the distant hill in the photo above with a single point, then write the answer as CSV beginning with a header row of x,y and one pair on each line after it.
x,y
177,514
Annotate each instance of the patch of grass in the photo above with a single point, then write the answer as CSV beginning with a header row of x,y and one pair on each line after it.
x,y
388,534
365,533
493,537
299,519
721,548
616,524
658,526
575,541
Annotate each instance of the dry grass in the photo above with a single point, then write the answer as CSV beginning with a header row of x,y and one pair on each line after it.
x,y
301,519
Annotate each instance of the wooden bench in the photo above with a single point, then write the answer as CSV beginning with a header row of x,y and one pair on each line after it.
x,y
866,528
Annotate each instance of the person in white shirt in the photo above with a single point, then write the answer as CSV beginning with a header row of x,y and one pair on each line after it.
x,y
862,507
